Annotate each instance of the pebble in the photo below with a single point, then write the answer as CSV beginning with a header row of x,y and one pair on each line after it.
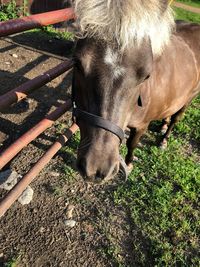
x,y
69,211
15,55
8,179
29,100
42,230
7,63
26,196
70,223
55,174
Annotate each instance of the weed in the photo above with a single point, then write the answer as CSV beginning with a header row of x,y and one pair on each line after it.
x,y
9,11
13,262
57,191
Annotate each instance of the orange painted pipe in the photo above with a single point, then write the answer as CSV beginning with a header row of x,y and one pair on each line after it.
x,y
18,189
35,21
33,133
22,91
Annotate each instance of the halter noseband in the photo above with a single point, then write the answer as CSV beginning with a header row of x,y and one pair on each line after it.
x,y
98,121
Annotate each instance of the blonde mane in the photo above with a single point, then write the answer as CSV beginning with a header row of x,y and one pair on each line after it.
x,y
126,22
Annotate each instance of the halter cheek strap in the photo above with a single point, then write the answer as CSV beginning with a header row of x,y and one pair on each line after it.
x,y
100,122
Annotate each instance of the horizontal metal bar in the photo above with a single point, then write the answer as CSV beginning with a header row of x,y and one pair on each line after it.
x,y
35,21
33,133
18,189
22,91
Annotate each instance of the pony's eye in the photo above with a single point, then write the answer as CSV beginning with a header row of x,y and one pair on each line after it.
x,y
139,102
147,77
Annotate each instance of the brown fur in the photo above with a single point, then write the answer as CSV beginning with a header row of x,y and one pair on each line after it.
x,y
174,81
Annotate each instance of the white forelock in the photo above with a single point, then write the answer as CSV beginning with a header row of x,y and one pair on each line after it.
x,y
126,22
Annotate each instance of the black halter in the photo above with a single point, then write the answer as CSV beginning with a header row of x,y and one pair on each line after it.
x,y
98,121
94,120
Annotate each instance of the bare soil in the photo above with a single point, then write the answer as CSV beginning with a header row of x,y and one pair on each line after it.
x,y
36,233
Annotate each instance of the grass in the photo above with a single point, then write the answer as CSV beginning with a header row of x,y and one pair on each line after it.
x,y
162,196
195,3
52,32
186,15
13,262
9,11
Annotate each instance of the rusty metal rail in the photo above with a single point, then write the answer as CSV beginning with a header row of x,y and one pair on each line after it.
x,y
22,91
18,189
33,133
35,21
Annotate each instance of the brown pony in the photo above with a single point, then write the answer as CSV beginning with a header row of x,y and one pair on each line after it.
x,y
133,65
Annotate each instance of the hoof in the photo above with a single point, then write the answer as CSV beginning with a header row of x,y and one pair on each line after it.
x,y
163,145
164,129
129,168
135,158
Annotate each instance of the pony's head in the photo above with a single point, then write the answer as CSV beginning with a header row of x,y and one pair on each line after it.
x,y
113,57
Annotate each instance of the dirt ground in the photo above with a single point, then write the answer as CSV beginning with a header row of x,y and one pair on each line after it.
x,y
36,233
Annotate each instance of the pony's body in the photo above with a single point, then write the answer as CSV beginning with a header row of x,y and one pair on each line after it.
x,y
164,95
130,69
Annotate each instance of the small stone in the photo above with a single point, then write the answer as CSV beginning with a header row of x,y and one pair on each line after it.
x,y
42,230
8,179
1,255
69,211
7,63
66,204
55,174
29,100
26,196
15,55
70,223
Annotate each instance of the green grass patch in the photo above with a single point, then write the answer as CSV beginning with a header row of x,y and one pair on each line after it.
x,y
195,3
53,32
13,262
9,11
186,15
189,126
162,195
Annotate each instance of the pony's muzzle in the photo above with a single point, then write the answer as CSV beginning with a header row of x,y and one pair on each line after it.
x,y
95,172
